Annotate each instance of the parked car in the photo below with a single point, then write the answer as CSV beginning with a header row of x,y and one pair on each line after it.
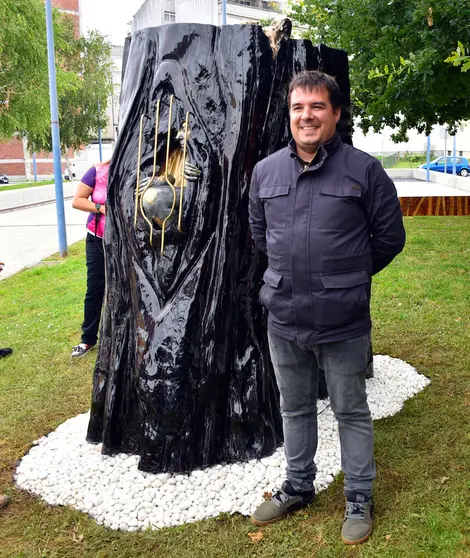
x,y
3,179
444,164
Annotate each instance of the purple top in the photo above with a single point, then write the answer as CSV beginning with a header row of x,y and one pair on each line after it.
x,y
97,178
89,177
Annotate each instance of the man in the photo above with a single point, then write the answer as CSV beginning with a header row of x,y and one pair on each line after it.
x,y
328,217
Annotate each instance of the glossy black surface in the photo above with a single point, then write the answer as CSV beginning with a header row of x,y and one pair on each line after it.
x,y
183,376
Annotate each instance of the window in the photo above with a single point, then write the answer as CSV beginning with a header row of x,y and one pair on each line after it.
x,y
169,17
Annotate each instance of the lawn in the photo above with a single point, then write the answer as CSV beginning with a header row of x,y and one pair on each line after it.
x,y
406,165
21,185
421,314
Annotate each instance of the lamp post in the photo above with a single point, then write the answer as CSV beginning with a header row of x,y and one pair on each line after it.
x,y
428,159
224,12
445,150
454,154
59,191
35,167
99,133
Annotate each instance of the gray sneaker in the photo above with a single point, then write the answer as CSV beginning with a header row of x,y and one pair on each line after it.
x,y
284,501
357,526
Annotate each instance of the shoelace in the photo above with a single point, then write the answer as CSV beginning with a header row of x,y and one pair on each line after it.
x,y
281,497
355,510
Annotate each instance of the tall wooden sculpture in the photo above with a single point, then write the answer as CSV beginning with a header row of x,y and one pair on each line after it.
x,y
183,376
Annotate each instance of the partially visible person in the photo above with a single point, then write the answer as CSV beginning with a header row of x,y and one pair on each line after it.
x,y
91,197
3,353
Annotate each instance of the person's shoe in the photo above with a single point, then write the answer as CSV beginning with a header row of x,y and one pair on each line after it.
x,y
284,501
5,352
81,350
357,525
4,499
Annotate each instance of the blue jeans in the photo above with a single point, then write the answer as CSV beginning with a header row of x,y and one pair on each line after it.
x,y
345,366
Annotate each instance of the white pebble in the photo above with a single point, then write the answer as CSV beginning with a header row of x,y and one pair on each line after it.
x,y
64,469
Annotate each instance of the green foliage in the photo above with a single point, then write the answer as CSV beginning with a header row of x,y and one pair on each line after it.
x,y
266,22
460,57
399,77
84,76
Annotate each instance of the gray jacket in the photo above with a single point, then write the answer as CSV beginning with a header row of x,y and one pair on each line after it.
x,y
326,229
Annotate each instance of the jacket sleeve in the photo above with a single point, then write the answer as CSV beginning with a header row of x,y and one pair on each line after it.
x,y
385,217
256,214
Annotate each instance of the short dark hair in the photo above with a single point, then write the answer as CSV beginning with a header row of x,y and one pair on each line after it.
x,y
313,80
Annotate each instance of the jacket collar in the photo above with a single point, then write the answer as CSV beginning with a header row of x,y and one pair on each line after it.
x,y
330,146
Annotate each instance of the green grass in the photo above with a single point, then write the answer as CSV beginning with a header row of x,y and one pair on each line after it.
x,y
22,185
421,314
406,165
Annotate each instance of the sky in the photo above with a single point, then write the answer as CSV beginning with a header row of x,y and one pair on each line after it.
x,y
109,16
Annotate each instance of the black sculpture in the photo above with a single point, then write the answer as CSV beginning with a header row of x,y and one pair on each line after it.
x,y
183,376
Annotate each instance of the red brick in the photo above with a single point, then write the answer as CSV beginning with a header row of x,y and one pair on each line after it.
x,y
12,149
12,169
72,5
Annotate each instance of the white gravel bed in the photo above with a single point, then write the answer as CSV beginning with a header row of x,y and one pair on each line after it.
x,y
63,469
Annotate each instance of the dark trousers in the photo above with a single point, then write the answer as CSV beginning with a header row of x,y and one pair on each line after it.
x,y
94,289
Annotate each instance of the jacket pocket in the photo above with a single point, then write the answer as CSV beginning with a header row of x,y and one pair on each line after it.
x,y
274,200
338,207
272,280
341,191
343,300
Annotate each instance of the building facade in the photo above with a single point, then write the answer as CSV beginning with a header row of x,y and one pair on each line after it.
x,y
160,12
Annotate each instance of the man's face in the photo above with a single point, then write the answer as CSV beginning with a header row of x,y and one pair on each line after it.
x,y
312,119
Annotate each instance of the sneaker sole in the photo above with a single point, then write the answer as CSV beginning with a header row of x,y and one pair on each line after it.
x,y
358,541
269,522
292,509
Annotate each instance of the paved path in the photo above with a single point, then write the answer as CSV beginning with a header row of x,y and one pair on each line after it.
x,y
417,188
27,236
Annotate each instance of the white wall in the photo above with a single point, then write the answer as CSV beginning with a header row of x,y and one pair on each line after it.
x,y
151,14
196,11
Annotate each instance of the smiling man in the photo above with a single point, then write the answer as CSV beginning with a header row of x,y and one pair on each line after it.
x,y
328,217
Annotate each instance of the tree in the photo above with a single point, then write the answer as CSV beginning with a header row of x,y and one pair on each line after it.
x,y
84,77
460,57
397,49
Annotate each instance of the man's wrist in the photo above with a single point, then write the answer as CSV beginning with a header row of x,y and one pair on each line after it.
x,y
98,207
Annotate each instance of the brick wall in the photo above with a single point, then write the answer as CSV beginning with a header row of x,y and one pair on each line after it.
x,y
72,5
12,169
11,150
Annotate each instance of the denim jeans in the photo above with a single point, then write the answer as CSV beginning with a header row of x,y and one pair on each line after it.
x,y
345,365
95,284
